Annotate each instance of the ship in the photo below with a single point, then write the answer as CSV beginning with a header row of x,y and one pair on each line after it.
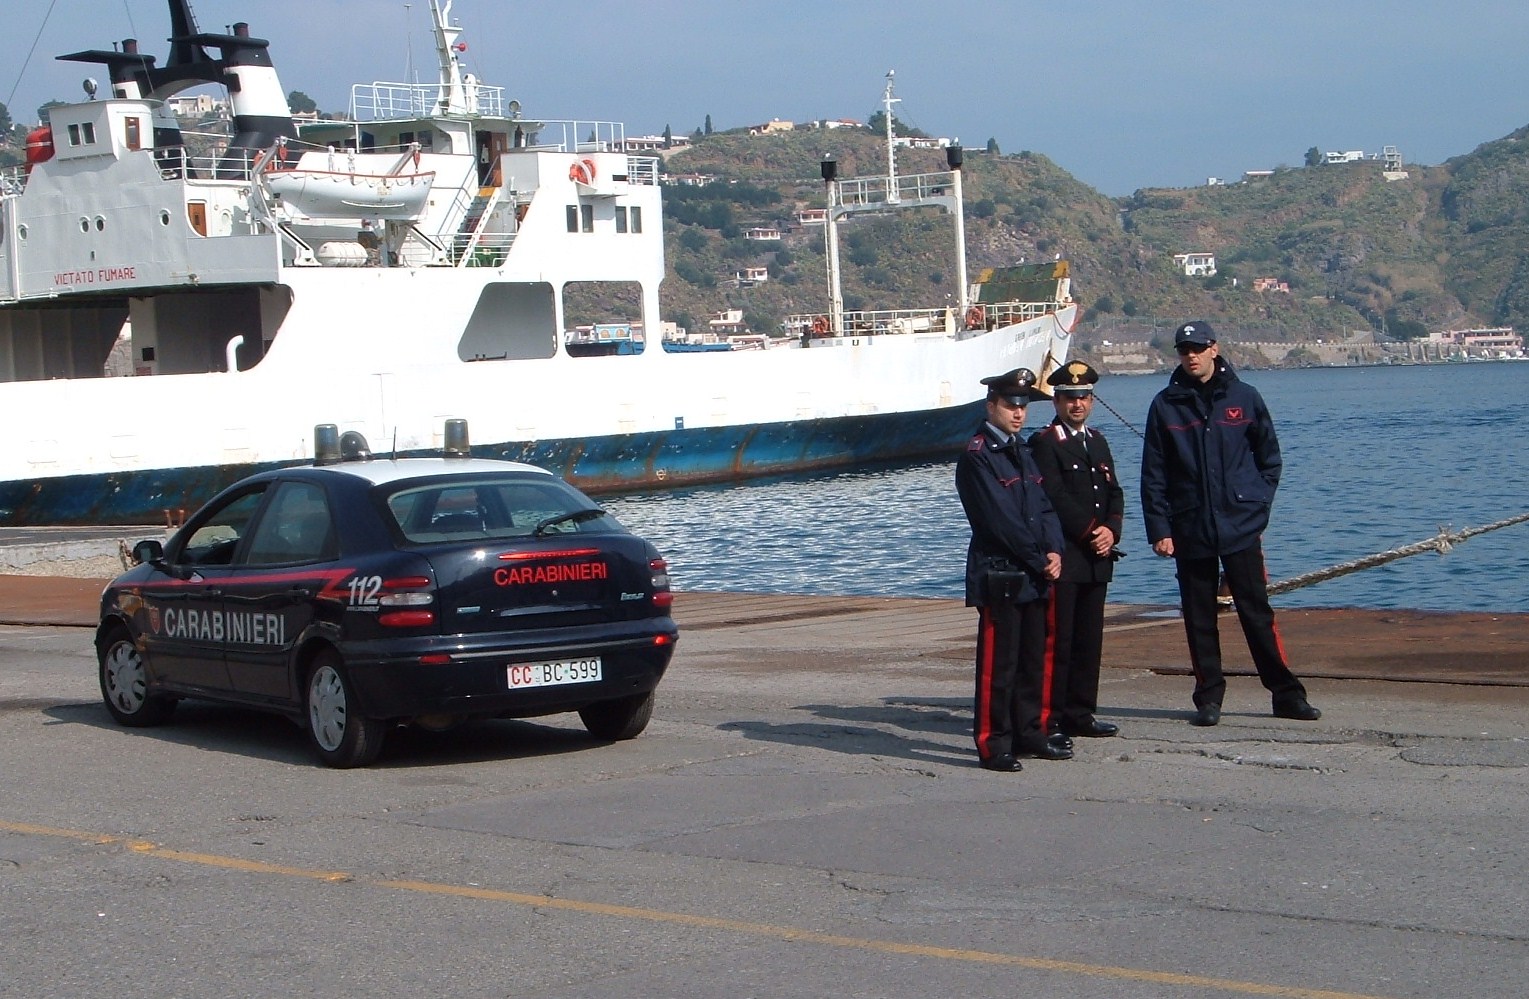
x,y
175,316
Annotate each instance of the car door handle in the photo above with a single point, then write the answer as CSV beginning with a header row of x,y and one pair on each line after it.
x,y
301,591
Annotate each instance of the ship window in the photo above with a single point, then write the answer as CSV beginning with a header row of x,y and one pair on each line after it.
x,y
636,219
573,218
511,321
620,219
587,213
84,225
133,132
164,217
74,135
100,224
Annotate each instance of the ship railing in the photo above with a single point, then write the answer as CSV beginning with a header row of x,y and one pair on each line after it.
x,y
578,136
475,249
13,180
384,101
943,322
870,191
642,170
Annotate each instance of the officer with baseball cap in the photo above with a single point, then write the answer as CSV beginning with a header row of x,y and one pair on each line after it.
x,y
1012,560
1079,476
1210,464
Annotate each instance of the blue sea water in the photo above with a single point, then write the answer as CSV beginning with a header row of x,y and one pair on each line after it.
x,y
1374,458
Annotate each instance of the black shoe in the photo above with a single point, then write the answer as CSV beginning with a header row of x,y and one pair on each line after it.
x,y
1003,763
1298,710
1058,747
1207,715
1095,730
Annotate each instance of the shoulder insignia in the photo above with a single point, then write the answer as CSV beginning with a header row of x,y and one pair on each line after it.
x,y
975,444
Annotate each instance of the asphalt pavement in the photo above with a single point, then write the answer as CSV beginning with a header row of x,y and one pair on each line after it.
x,y
804,817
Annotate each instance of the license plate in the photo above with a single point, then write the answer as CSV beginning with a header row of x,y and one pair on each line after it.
x,y
551,674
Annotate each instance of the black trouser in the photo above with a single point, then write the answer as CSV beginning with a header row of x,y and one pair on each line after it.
x,y
1011,678
1245,574
1077,643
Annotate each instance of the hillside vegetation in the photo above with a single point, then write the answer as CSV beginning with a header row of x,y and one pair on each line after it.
x,y
1443,248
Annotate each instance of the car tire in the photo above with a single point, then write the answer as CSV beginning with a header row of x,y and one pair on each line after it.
x,y
623,718
339,734
125,683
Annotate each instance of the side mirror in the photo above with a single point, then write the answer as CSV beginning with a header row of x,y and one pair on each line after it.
x,y
148,551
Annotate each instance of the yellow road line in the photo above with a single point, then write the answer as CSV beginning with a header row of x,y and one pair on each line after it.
x,y
769,930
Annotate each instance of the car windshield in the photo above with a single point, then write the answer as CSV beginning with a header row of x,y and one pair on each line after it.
x,y
471,509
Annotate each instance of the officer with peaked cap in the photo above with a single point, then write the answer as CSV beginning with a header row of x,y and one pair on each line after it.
x,y
1012,560
1079,476
1210,464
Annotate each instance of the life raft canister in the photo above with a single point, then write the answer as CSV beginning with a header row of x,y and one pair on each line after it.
x,y
39,146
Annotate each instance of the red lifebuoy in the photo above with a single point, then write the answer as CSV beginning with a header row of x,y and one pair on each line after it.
x,y
976,317
820,325
582,171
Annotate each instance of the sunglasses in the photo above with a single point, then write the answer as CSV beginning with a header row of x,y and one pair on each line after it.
x,y
1192,348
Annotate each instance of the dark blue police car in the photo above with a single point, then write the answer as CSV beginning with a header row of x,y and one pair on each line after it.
x,y
356,594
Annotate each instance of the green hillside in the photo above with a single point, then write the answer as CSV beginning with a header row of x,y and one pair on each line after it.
x,y
1445,247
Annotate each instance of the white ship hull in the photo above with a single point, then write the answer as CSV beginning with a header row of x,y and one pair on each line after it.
x,y
259,307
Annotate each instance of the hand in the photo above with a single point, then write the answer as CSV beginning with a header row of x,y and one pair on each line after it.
x,y
1164,547
1101,541
1053,566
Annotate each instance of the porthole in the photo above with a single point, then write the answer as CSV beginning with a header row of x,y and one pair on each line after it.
x,y
164,217
84,225
21,231
100,223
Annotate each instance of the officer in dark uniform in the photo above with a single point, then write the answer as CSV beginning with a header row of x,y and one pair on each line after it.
x,y
1014,557
1210,464
1079,475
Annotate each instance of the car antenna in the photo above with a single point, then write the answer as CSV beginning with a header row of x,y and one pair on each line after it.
x,y
394,455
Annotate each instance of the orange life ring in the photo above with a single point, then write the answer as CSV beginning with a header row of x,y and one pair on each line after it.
x,y
820,325
582,171
976,317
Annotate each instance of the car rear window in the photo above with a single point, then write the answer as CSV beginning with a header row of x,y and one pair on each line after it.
x,y
463,509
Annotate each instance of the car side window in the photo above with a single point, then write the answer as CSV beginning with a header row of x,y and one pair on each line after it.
x,y
296,527
217,531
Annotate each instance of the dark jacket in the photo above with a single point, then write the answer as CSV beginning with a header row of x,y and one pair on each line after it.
x,y
1209,467
1084,488
1013,525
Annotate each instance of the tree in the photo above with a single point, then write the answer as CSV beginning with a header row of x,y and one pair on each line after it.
x,y
668,137
708,124
1313,157
5,120
301,103
992,147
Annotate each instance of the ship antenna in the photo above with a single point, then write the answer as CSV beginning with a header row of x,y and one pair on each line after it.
x,y
887,100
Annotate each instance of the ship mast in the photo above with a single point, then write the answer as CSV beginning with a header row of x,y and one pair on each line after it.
x,y
453,97
887,100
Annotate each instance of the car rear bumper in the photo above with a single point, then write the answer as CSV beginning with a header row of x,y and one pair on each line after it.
x,y
475,679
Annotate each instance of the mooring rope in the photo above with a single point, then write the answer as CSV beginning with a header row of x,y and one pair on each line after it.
x,y
1441,543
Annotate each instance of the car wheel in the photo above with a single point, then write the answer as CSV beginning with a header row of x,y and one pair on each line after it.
x,y
624,718
340,735
125,683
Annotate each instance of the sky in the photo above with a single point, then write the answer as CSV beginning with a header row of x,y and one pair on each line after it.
x,y
1122,95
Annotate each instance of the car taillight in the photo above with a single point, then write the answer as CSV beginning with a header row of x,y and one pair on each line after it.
x,y
406,603
661,595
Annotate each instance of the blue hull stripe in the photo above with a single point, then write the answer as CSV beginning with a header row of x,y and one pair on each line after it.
x,y
630,462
